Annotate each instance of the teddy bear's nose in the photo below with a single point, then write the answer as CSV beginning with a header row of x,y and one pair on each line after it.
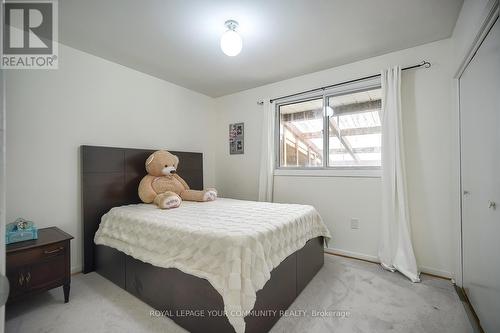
x,y
172,171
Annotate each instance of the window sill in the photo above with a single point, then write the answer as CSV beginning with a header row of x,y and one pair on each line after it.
x,y
320,172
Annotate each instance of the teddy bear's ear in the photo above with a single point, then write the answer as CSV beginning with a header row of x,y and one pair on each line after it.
x,y
150,159
176,161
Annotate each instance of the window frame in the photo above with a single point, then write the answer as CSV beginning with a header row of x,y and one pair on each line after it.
x,y
325,169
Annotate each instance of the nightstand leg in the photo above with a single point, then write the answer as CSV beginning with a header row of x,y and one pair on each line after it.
x,y
66,292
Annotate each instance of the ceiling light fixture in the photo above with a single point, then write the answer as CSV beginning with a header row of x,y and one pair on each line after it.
x,y
230,41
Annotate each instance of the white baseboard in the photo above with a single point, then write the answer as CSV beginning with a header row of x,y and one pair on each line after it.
x,y
374,259
355,255
76,269
437,272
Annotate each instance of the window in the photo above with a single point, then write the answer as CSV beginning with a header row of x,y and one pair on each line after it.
x,y
354,129
301,134
339,129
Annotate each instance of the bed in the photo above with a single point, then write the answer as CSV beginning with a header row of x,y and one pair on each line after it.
x,y
142,249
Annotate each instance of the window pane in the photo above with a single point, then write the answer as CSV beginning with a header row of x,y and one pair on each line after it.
x,y
301,134
355,129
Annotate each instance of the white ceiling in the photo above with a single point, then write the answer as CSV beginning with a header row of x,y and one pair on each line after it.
x,y
178,40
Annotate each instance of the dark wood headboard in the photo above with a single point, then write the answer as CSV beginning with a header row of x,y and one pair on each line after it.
x,y
110,178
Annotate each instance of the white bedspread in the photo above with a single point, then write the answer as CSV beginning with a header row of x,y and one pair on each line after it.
x,y
234,244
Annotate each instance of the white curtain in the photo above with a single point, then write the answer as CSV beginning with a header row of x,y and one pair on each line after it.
x,y
267,153
395,248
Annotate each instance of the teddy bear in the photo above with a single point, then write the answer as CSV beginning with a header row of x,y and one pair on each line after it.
x,y
163,186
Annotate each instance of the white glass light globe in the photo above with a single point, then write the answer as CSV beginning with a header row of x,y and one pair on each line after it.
x,y
231,43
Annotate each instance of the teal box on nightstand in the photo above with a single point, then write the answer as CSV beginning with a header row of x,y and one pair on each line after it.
x,y
20,230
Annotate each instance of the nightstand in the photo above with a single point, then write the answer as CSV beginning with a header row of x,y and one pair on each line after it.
x,y
40,264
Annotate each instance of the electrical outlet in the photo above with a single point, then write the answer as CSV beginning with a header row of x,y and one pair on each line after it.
x,y
354,223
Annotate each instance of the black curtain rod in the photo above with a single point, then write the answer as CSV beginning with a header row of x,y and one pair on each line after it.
x,y
424,63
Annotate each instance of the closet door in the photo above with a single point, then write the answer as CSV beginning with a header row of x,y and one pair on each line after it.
x,y
480,123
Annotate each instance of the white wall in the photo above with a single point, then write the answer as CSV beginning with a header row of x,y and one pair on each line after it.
x,y
90,101
428,125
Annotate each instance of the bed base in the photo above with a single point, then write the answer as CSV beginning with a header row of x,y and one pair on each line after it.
x,y
194,304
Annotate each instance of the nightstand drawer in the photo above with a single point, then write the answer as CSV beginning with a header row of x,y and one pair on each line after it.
x,y
36,254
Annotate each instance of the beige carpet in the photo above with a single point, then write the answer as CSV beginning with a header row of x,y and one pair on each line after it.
x,y
346,296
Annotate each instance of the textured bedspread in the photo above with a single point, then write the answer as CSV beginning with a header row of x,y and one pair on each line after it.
x,y
233,244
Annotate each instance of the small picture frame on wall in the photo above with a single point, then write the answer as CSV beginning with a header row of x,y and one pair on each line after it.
x,y
236,138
